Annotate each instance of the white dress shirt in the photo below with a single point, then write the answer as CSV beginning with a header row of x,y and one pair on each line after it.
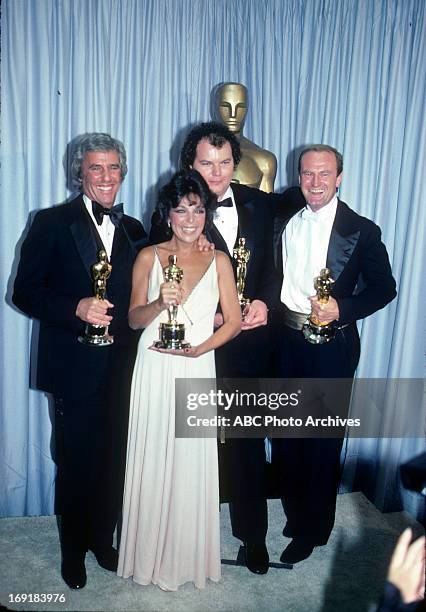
x,y
226,221
105,230
304,247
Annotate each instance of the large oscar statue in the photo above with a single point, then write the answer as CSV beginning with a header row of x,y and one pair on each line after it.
x,y
97,335
258,167
314,330
172,333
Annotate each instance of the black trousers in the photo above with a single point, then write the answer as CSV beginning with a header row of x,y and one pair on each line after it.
x,y
242,461
90,441
309,469
243,480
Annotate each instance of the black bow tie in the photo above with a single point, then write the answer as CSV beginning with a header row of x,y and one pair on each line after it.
x,y
115,213
226,202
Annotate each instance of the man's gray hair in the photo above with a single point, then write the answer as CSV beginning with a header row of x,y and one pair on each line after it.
x,y
95,141
320,148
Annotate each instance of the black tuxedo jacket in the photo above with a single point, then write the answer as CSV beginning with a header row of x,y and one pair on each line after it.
x,y
249,354
54,273
356,256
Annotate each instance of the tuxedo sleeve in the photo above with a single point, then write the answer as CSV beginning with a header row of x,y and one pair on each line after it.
x,y
33,291
376,286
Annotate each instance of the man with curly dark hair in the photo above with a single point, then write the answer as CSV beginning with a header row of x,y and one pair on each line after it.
x,y
243,212
217,134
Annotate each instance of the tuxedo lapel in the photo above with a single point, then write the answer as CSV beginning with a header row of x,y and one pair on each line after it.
x,y
215,236
121,259
246,221
88,241
246,224
340,249
124,249
343,240
131,234
84,236
120,240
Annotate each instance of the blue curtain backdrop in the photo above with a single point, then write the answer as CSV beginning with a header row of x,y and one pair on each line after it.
x,y
350,73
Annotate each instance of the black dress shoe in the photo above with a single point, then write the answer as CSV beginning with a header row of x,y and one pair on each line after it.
x,y
296,551
257,558
106,556
74,573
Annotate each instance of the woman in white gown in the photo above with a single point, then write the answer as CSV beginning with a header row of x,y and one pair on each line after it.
x,y
170,531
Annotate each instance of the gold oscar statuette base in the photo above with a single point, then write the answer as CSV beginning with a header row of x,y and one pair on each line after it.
x,y
96,335
172,336
317,333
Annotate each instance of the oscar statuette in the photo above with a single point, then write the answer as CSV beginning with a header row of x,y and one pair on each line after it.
x,y
172,333
314,330
97,335
241,255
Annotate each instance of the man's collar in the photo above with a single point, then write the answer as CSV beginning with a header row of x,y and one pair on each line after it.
x,y
228,194
327,210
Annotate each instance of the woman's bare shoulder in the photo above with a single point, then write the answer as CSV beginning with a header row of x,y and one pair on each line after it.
x,y
145,256
222,260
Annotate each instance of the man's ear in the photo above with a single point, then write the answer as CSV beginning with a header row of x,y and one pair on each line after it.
x,y
339,180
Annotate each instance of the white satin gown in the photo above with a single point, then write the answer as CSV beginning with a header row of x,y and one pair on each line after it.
x,y
170,531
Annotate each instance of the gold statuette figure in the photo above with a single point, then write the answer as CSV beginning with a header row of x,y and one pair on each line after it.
x,y
97,335
258,167
172,333
314,330
242,255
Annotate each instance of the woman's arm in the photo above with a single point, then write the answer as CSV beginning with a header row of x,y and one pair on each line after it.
x,y
142,313
229,305
230,308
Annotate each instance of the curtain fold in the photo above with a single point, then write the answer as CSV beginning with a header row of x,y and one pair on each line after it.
x,y
349,73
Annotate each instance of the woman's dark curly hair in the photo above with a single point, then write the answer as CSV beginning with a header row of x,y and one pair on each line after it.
x,y
180,185
216,134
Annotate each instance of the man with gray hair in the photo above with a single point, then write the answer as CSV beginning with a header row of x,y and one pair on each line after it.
x,y
90,384
317,233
